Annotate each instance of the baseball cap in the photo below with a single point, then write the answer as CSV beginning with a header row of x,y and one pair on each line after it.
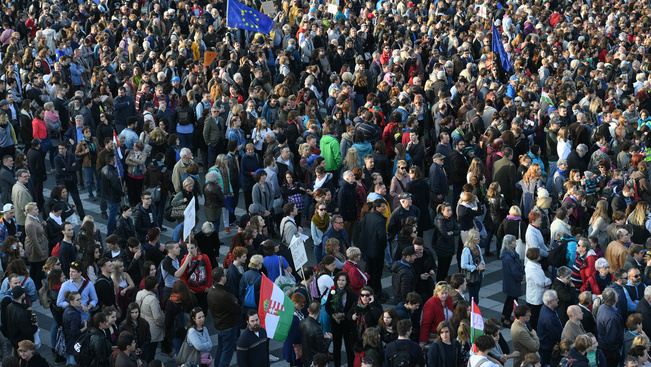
x,y
176,79
8,207
17,291
4,102
404,195
408,251
438,156
513,78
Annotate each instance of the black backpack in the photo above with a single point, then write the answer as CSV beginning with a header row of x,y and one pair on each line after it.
x,y
558,253
401,356
82,351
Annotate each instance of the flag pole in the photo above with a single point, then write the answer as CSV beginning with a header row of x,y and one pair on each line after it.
x,y
472,311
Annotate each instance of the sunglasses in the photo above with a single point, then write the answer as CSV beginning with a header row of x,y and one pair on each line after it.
x,y
74,263
365,295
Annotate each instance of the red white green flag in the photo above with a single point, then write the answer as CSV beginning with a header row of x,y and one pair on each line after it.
x,y
276,310
476,324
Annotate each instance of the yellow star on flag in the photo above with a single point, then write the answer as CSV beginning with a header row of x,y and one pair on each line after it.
x,y
242,12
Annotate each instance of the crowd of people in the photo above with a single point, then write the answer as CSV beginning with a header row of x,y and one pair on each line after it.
x,y
368,126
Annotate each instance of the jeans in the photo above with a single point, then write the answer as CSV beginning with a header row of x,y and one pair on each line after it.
x,y
473,290
112,216
177,342
159,209
225,347
149,352
70,360
186,140
388,260
89,173
318,253
73,191
53,333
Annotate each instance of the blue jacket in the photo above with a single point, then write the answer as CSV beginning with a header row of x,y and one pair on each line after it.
x,y
250,164
75,73
123,107
438,181
238,135
512,273
72,325
270,113
362,150
610,328
550,328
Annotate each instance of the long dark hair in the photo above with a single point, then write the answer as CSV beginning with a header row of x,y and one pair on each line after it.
x,y
188,299
193,315
89,258
128,322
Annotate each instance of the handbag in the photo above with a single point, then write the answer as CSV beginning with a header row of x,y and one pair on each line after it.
x,y
44,296
155,193
285,281
188,353
520,246
60,344
37,338
472,276
178,211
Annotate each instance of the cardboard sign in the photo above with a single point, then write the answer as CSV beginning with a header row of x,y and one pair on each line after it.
x,y
297,247
268,8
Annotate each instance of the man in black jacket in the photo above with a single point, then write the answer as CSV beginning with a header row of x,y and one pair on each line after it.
x,y
253,345
143,216
404,211
373,231
111,190
504,173
644,307
225,310
313,339
346,202
104,286
20,325
403,279
459,169
36,165
67,167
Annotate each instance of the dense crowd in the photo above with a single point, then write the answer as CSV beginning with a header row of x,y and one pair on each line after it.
x,y
367,126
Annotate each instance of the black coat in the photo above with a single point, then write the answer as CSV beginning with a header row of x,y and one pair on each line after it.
x,y
403,280
373,230
419,189
312,338
436,357
644,308
124,229
19,324
504,173
442,241
141,222
496,211
574,161
101,348
346,326
346,201
459,168
567,296
37,360
110,184
36,164
518,228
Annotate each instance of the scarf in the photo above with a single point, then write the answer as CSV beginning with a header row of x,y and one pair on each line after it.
x,y
602,282
175,297
476,255
318,182
321,224
513,217
91,146
561,172
56,219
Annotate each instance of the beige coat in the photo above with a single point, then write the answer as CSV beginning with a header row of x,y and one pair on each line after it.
x,y
177,174
35,240
523,341
20,196
151,312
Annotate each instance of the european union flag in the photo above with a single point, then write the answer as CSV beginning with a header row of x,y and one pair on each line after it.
x,y
241,16
498,47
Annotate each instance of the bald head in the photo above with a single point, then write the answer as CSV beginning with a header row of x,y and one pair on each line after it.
x,y
574,313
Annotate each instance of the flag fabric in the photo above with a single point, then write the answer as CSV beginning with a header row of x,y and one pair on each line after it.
x,y
498,47
276,310
515,304
544,97
208,58
118,153
476,324
241,16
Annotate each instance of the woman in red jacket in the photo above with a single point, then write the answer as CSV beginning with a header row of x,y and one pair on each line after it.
x,y
358,278
436,309
599,279
197,273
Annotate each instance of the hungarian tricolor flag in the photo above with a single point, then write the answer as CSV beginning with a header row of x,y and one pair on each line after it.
x,y
276,310
118,154
544,97
515,304
476,324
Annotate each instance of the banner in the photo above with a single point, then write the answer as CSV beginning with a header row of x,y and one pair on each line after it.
x,y
276,310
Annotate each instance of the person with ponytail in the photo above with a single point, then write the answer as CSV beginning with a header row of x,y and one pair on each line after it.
x,y
100,346
154,251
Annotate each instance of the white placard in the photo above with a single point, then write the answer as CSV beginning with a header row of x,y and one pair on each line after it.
x,y
267,7
190,220
332,9
297,247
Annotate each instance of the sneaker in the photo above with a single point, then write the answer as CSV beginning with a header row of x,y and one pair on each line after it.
x,y
273,358
163,229
59,359
104,216
235,224
92,198
227,230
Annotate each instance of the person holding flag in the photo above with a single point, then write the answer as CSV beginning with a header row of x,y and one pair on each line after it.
x,y
243,17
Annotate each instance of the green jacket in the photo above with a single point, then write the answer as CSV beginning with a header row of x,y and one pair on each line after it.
x,y
330,152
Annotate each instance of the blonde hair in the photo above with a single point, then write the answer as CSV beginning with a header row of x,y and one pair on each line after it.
x,y
642,340
470,240
441,287
515,211
463,332
601,211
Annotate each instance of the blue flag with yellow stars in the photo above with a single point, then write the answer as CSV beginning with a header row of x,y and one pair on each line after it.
x,y
242,17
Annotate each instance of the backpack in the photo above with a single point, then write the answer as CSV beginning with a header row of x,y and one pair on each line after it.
x,y
358,358
636,188
181,321
314,289
82,350
249,296
400,357
566,362
558,254
183,117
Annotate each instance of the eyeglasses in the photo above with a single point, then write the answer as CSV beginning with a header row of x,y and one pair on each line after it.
x,y
365,295
403,168
321,209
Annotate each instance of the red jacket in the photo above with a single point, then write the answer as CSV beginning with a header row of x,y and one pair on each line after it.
x,y
588,269
39,129
592,285
357,280
433,315
201,276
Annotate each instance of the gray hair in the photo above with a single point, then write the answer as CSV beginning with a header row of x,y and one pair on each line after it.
x,y
506,242
207,228
347,174
79,117
270,134
549,296
582,147
185,152
609,296
601,263
647,293
212,176
20,172
563,272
